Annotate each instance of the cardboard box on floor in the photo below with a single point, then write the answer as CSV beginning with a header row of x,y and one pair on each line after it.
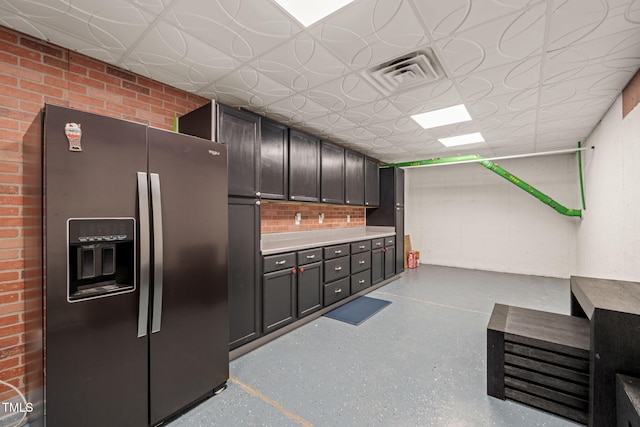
x,y
407,248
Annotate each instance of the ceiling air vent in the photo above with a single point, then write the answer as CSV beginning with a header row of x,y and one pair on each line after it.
x,y
407,72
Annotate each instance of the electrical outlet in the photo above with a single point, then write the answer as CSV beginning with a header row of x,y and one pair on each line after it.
x,y
348,218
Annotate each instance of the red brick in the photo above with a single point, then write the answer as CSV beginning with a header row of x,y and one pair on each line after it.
x,y
11,265
8,298
16,307
41,89
78,69
99,76
136,104
40,67
11,286
8,80
86,62
136,88
8,36
9,211
57,82
57,63
9,189
42,47
150,100
22,95
8,58
123,92
11,319
8,102
16,50
7,363
85,100
121,74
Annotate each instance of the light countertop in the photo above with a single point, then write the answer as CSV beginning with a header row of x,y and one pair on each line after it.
x,y
287,242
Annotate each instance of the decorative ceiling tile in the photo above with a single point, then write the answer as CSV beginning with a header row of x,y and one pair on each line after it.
x,y
532,73
301,63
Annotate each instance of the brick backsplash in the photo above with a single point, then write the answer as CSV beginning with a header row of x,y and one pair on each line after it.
x,y
277,217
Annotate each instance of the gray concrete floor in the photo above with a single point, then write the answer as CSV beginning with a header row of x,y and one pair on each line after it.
x,y
421,361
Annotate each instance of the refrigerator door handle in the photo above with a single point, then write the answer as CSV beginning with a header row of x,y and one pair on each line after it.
x,y
145,262
156,203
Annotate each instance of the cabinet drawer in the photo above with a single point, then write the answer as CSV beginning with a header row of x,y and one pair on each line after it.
x,y
360,281
377,243
360,262
278,262
309,256
336,291
389,241
336,269
358,247
336,251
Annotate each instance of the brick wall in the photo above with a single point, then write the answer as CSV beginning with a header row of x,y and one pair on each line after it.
x,y
32,73
631,94
279,217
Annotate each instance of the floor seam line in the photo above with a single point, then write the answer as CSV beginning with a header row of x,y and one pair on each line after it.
x,y
435,303
252,391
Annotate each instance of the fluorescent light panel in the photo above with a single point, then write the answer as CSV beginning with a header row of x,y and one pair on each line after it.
x,y
308,12
445,116
470,138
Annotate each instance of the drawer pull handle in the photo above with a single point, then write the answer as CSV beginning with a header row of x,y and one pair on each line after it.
x,y
378,244
338,268
361,247
311,256
361,281
284,261
337,291
337,252
362,262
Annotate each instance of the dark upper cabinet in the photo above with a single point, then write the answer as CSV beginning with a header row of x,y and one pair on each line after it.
x,y
354,178
400,256
304,167
274,160
371,182
245,299
240,130
399,183
332,173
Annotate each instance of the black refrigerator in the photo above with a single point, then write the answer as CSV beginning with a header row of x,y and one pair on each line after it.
x,y
136,246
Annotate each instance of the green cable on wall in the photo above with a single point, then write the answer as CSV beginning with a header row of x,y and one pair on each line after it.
x,y
503,173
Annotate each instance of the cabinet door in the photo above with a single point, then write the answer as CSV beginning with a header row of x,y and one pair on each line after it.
x,y
332,173
389,262
399,187
304,167
240,130
377,266
400,258
371,182
354,178
278,299
274,160
309,288
245,304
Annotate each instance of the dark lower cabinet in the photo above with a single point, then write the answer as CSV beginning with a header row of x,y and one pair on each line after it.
x,y
245,303
389,262
335,291
400,259
309,288
360,281
278,299
377,266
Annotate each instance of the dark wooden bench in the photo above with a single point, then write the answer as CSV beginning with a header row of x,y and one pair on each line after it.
x,y
540,359
628,401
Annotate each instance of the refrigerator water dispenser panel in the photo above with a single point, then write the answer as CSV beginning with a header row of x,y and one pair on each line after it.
x,y
100,257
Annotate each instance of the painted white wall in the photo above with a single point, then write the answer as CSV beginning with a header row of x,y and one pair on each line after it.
x,y
467,216
608,239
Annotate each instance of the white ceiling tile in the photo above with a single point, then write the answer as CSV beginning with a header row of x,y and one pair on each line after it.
x,y
533,73
448,17
301,63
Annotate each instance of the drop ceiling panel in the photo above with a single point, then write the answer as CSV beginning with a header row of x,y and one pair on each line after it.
x,y
533,74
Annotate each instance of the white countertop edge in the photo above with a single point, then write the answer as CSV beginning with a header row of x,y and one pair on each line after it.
x,y
289,242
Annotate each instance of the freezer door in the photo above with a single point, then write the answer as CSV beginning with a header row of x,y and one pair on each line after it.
x,y
189,355
96,364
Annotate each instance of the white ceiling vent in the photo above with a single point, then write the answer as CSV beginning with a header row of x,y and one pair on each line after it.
x,y
407,72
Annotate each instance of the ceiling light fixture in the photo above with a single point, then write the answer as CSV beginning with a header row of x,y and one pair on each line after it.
x,y
308,12
442,117
470,138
